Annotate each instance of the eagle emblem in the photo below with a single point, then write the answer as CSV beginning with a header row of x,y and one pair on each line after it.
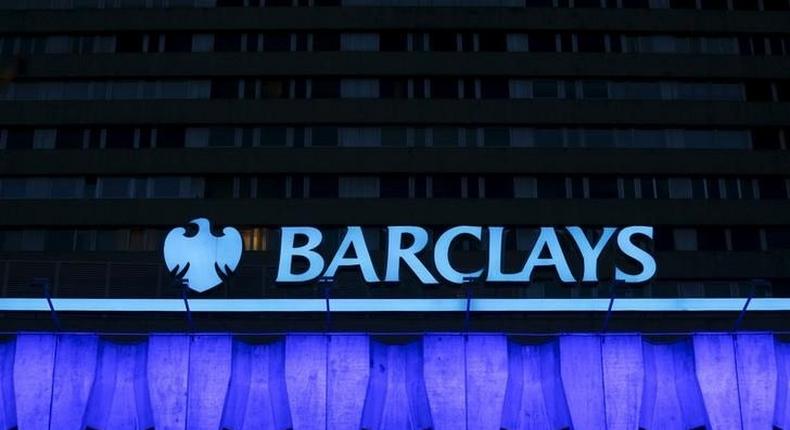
x,y
201,259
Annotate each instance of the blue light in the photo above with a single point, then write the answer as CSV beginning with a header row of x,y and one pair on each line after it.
x,y
394,305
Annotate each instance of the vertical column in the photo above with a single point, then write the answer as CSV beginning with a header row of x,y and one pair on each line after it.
x,y
756,379
534,397
582,379
33,371
257,397
168,369
487,375
119,397
349,364
75,368
7,400
671,396
782,408
444,379
714,356
623,375
305,373
396,395
209,373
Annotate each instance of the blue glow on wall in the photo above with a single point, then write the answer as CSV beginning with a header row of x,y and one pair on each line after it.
x,y
440,381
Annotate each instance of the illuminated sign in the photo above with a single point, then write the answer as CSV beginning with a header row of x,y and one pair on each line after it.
x,y
204,259
201,259
353,253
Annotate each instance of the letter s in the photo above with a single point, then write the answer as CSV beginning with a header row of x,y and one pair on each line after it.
x,y
641,256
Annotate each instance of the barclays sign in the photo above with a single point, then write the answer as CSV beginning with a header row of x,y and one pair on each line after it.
x,y
203,260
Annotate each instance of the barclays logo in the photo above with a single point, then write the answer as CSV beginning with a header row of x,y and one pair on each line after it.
x,y
201,259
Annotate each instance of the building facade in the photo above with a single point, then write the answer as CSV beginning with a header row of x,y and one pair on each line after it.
x,y
121,120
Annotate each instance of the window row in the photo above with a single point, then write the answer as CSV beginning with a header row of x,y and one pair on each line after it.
x,y
767,5
493,186
358,137
395,41
704,239
395,88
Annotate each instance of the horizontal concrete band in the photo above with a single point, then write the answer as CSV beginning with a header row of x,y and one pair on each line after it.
x,y
407,18
406,160
382,112
366,64
276,212
395,305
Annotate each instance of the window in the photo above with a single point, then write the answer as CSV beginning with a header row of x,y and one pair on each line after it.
x,y
685,239
326,41
359,42
224,88
542,42
227,42
394,186
713,4
590,42
393,41
443,41
325,88
393,88
358,187
19,139
129,42
778,238
119,138
551,187
360,136
219,187
499,186
359,88
178,42
745,239
711,239
548,138
324,136
525,187
66,188
603,187
445,136
745,4
492,42
595,89
274,136
680,188
271,187
323,186
446,186
222,137
276,42
517,42
496,136
683,4
494,88
166,187
170,137
444,88
115,188
544,89
773,188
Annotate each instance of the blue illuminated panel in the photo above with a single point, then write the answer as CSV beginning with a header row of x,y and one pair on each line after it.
x,y
393,305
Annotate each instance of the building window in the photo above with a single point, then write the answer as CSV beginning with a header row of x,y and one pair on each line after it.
x,y
359,187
